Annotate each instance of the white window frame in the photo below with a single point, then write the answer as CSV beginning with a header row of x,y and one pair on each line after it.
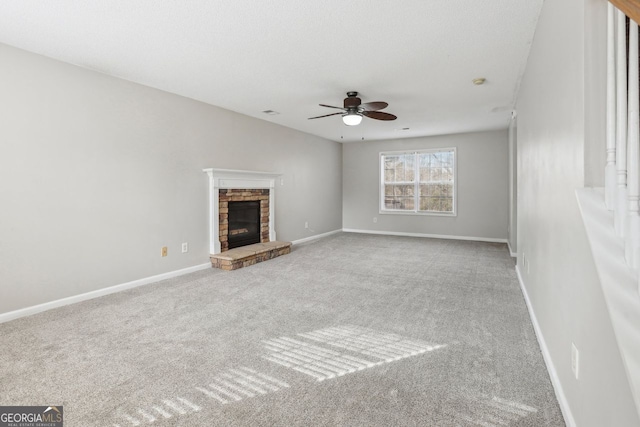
x,y
385,211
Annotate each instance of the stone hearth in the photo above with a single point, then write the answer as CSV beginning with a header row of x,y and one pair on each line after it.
x,y
249,255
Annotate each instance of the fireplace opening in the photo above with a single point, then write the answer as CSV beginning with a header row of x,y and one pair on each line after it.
x,y
244,223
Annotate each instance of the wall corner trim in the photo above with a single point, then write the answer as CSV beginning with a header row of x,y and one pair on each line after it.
x,y
28,311
553,374
513,254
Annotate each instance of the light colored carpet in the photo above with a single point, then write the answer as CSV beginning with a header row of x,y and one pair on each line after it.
x,y
350,330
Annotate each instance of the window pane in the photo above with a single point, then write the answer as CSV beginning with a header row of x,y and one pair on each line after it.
x,y
389,161
447,174
399,197
424,201
447,205
409,168
398,168
390,203
431,204
399,171
435,172
399,203
424,173
388,175
408,203
389,169
428,189
436,204
436,181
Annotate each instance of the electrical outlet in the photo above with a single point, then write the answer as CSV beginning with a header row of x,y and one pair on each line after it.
x,y
306,224
185,247
575,360
375,219
281,181
164,251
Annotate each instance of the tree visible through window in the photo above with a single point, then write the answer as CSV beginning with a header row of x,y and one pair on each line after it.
x,y
418,181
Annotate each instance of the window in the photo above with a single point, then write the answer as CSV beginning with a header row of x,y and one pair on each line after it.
x,y
419,182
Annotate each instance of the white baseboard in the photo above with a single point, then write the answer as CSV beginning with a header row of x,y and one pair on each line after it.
x,y
28,311
315,237
432,236
555,379
513,254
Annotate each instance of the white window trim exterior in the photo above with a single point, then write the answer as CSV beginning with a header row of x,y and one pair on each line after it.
x,y
381,208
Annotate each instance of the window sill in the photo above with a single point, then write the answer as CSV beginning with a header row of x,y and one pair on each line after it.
x,y
455,214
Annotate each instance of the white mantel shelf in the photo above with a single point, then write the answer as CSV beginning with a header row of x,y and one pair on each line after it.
x,y
231,179
235,173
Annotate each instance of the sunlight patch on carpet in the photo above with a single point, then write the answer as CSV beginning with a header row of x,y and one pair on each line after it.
x,y
491,411
237,384
230,386
167,409
358,348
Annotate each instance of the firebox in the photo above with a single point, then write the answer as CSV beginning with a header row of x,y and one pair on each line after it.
x,y
244,223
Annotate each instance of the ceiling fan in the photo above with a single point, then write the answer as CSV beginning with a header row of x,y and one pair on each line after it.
x,y
354,110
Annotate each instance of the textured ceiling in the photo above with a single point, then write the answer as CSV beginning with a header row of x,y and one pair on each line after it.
x,y
289,55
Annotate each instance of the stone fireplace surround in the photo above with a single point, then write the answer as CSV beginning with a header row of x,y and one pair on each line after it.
x,y
226,195
235,185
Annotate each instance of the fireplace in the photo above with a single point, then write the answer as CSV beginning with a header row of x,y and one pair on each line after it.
x,y
244,223
229,186
246,217
241,213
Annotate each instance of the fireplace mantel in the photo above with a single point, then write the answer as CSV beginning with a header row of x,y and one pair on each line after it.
x,y
231,179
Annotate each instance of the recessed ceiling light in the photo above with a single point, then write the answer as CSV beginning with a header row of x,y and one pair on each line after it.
x,y
479,81
270,112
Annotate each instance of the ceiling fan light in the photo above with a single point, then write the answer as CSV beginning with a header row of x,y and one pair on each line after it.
x,y
352,119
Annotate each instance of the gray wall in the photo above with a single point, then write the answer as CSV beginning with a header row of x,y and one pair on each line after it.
x,y
595,94
560,279
482,186
513,186
97,174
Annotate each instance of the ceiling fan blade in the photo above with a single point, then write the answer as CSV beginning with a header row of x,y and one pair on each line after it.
x,y
326,115
374,106
331,106
379,115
